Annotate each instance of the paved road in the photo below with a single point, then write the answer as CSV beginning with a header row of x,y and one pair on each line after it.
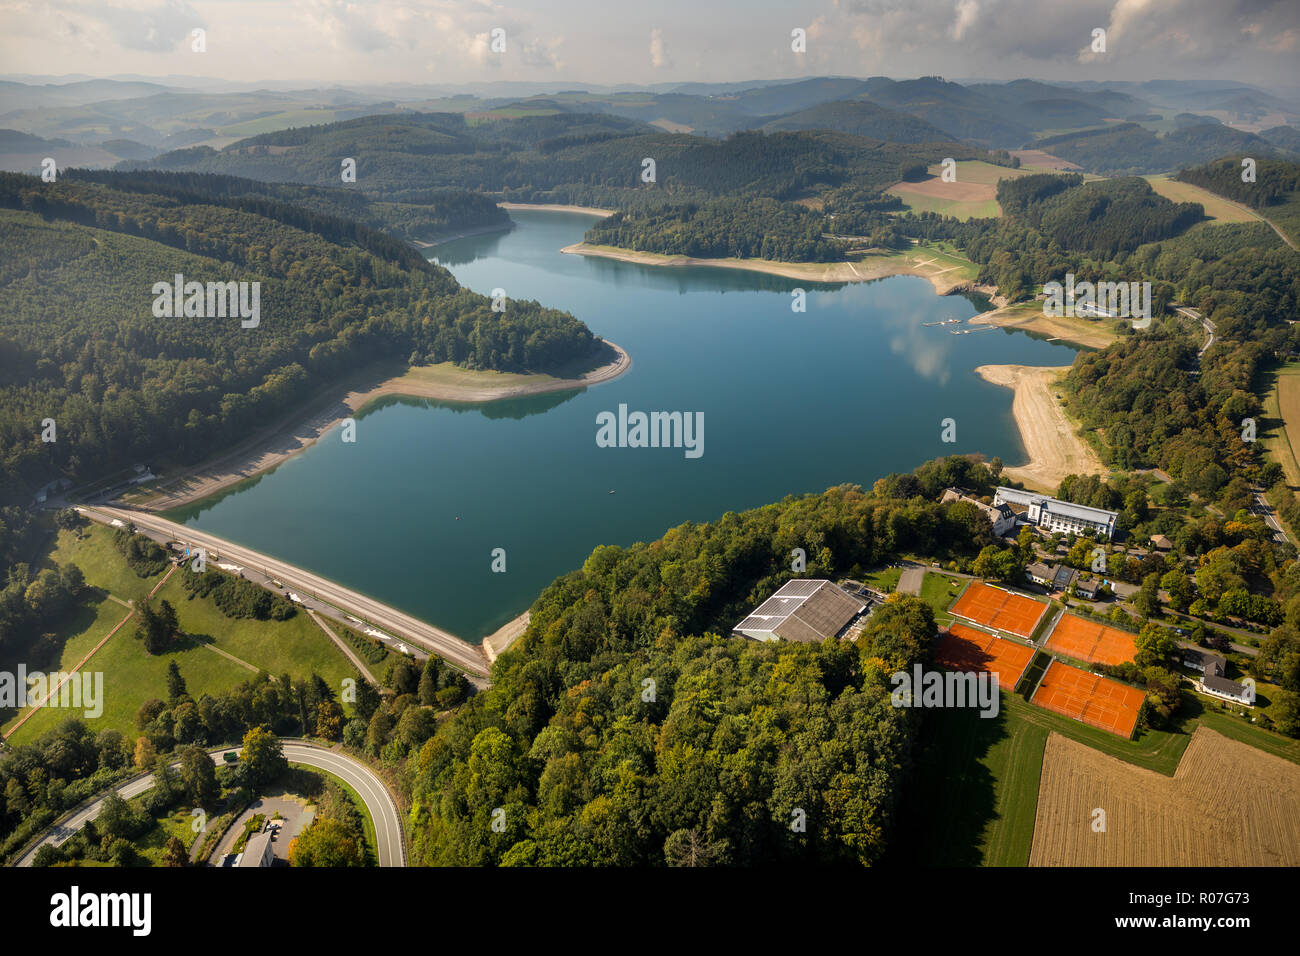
x,y
1261,507
329,596
383,811
1206,324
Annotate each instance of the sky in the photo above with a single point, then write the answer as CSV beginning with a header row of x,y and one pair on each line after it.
x,y
350,42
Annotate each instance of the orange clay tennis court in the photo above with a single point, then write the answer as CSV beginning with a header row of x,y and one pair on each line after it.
x,y
963,648
1091,641
999,609
1095,700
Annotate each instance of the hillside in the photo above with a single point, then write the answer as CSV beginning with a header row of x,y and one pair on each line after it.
x,y
80,342
1130,149
861,118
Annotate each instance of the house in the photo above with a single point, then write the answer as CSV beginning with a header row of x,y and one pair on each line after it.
x,y
1161,543
1086,587
1229,690
1039,573
1001,517
1212,666
1204,661
803,609
1064,577
258,850
1056,515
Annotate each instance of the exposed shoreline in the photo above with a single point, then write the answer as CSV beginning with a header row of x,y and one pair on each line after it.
x,y
297,436
833,272
1077,331
1049,437
557,207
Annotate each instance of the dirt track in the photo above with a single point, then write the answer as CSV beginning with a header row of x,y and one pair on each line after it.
x,y
1049,438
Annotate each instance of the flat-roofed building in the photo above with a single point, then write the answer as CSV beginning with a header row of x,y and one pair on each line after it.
x,y
258,850
804,609
1055,514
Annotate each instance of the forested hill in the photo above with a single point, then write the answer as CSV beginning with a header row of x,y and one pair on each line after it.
x,y
422,216
1131,149
1275,193
1102,218
80,343
570,157
734,737
861,118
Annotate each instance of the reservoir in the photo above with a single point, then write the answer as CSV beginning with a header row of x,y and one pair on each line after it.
x,y
853,388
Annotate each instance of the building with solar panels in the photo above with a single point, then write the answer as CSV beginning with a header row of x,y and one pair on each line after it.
x,y
802,610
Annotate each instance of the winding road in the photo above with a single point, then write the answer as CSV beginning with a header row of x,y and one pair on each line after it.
x,y
383,811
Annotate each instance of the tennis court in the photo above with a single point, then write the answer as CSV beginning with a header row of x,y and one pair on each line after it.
x,y
1095,700
964,648
999,609
1091,641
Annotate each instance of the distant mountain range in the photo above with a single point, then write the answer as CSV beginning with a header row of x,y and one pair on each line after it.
x,y
1105,126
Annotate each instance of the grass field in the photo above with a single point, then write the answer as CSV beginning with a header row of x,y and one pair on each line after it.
x,y
1217,208
973,195
1280,429
131,676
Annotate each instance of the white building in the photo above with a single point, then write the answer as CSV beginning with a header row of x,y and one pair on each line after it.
x,y
1056,515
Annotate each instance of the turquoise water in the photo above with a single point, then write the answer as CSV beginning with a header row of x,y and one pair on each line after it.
x,y
848,391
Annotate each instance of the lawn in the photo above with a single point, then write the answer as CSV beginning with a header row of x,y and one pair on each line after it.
x,y
297,646
974,797
100,561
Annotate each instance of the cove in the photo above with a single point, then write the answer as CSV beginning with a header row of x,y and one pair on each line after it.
x,y
846,392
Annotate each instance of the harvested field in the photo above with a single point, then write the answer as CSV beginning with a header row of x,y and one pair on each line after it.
x,y
999,609
1091,641
1095,700
1043,160
1227,804
964,648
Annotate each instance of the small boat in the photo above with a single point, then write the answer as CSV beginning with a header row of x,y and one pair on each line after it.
x,y
611,491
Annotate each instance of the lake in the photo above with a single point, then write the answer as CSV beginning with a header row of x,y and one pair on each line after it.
x,y
846,392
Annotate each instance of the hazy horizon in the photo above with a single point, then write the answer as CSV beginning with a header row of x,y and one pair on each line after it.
x,y
441,43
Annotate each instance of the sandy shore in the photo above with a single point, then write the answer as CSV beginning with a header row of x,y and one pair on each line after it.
x,y
1030,318
860,271
1048,436
557,207
296,435
464,234
497,643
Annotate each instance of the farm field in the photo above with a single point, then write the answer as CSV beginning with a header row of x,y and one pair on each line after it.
x,y
1217,208
1281,432
1227,804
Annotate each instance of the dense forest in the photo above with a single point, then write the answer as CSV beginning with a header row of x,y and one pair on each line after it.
x,y
721,228
1126,149
570,157
421,216
80,345
622,729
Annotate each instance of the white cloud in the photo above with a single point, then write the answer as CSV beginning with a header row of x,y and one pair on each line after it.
x,y
658,56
